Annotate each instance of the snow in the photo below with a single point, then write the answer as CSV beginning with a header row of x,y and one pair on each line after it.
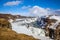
x,y
32,31
10,20
55,17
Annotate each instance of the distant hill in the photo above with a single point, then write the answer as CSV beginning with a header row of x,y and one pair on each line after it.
x,y
10,16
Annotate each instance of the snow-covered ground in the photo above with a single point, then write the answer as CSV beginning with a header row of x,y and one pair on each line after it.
x,y
55,17
35,32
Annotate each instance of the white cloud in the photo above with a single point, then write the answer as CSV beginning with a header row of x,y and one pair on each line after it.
x,y
39,11
26,7
57,12
11,3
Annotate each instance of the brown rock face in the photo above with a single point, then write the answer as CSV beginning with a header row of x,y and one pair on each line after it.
x,y
52,32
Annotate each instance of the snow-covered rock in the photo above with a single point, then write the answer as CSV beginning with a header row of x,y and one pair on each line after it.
x,y
55,17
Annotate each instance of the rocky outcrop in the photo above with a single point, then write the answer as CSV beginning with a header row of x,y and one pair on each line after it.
x,y
57,33
5,23
53,28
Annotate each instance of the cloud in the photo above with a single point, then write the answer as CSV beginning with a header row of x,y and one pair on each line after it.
x,y
26,7
12,3
39,11
57,12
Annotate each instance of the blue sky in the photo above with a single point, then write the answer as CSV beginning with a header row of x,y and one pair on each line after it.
x,y
24,7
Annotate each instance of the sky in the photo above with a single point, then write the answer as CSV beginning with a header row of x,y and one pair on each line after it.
x,y
30,7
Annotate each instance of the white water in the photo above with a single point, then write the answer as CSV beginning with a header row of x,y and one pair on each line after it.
x,y
38,33
35,32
